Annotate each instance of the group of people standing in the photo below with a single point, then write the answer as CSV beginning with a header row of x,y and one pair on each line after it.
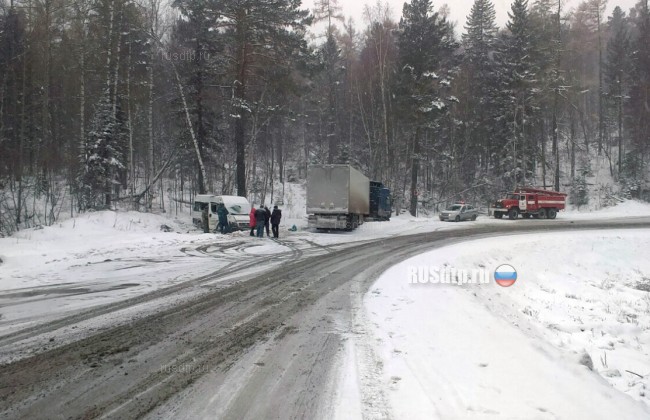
x,y
261,218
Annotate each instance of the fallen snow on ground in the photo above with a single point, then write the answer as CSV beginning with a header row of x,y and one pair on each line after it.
x,y
628,208
102,257
482,351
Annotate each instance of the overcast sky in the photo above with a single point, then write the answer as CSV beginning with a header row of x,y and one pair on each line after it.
x,y
459,8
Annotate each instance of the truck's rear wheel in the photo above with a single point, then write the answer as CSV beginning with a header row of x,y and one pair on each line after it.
x,y
552,213
513,214
541,214
498,215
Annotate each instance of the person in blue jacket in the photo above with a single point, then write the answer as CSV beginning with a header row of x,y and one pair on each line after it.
x,y
222,212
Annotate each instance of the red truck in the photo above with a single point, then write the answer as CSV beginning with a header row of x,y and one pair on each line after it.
x,y
540,204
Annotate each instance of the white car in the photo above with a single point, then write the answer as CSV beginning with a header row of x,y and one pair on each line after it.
x,y
458,212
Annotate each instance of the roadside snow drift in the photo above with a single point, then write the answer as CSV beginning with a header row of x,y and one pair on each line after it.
x,y
483,351
102,257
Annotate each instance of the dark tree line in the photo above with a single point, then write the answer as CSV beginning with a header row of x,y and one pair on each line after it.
x,y
131,103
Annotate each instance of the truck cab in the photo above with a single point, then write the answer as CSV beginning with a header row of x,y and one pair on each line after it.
x,y
380,202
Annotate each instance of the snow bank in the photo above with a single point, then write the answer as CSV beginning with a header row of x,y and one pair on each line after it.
x,y
628,208
477,351
103,257
89,238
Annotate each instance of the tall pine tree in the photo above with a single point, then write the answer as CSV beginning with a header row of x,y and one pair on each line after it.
x,y
617,78
480,69
640,93
426,49
257,33
519,78
101,157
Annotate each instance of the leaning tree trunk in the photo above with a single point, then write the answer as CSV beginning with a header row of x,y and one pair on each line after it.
x,y
188,119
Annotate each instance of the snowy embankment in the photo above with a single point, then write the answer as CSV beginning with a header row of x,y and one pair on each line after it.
x,y
107,247
103,257
482,351
628,208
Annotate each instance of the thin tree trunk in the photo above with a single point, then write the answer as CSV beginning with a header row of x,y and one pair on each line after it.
x,y
21,139
200,124
130,126
82,93
116,81
240,100
415,166
110,45
150,149
45,111
153,29
556,147
601,112
573,145
543,140
524,146
108,74
556,93
620,127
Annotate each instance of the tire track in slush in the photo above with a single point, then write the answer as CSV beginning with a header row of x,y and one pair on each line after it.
x,y
229,270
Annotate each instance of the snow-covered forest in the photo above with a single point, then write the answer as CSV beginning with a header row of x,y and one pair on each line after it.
x,y
125,103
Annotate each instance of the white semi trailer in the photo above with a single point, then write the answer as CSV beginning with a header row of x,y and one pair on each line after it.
x,y
338,197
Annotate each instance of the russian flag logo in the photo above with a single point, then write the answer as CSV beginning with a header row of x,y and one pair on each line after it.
x,y
505,275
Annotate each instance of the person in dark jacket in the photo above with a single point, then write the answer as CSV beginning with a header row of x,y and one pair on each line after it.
x,y
252,222
260,218
222,212
267,220
275,221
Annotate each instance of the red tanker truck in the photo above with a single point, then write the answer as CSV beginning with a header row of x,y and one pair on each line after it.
x,y
527,202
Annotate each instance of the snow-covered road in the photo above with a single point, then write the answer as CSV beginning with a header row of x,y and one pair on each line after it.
x,y
199,325
101,258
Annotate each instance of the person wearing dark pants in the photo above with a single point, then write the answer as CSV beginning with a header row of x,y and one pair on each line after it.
x,y
260,218
275,221
267,220
222,212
